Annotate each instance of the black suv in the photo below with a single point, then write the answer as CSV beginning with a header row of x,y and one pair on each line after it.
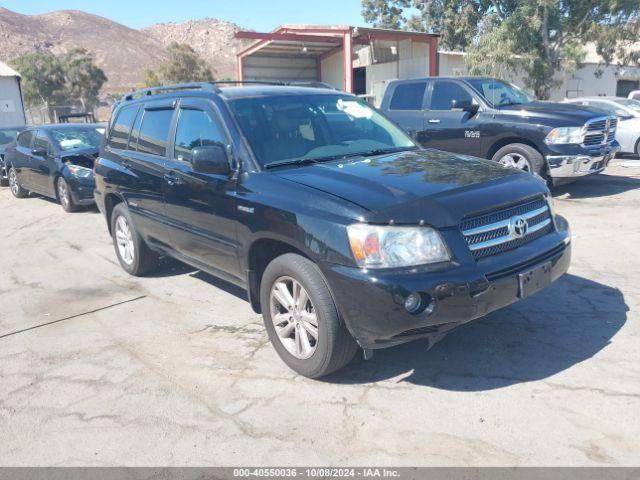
x,y
341,229
493,119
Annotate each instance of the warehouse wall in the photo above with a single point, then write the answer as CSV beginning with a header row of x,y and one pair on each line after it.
x,y
582,83
259,67
332,69
11,109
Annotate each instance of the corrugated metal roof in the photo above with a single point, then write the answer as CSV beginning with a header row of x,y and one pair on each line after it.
x,y
7,71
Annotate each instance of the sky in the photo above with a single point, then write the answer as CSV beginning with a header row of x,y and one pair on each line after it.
x,y
253,14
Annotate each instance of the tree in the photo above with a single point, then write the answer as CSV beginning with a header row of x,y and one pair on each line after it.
x,y
539,38
183,65
83,78
456,20
43,79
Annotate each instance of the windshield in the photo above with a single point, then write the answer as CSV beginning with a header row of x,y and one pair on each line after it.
x,y
499,93
70,139
629,103
291,128
8,135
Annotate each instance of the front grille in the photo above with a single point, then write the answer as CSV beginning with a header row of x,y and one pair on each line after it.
x,y
599,133
490,234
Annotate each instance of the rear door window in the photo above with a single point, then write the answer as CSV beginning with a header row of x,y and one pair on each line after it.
x,y
24,139
119,136
408,96
154,132
445,92
196,128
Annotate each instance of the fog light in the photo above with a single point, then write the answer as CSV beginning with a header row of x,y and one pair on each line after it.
x,y
413,303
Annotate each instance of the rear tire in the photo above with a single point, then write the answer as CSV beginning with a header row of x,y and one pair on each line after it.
x,y
135,257
64,196
14,183
523,157
328,346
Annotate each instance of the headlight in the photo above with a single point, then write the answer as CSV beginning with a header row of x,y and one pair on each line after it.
x,y
78,171
387,247
565,135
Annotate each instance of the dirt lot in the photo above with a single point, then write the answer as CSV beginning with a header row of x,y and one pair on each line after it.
x,y
98,368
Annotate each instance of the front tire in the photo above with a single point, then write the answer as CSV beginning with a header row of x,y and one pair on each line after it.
x,y
135,257
302,319
14,183
523,157
64,196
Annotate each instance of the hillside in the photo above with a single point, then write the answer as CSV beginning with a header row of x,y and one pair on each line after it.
x,y
212,39
122,52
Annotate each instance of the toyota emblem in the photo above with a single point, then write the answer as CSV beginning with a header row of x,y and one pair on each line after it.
x,y
518,226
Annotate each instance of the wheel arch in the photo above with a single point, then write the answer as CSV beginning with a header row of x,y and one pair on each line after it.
x,y
110,202
523,141
260,253
503,142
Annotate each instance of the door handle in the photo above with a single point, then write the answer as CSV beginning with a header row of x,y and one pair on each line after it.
x,y
434,120
126,163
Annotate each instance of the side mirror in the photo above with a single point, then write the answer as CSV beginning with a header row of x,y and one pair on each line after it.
x,y
464,106
211,159
39,152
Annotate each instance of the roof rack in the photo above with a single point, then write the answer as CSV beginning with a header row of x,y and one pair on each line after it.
x,y
212,86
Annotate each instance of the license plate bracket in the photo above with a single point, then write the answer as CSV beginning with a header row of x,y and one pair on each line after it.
x,y
534,280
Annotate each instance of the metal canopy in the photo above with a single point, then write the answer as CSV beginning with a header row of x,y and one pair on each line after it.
x,y
319,42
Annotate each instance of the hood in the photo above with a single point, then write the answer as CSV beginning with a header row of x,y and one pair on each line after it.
x,y
563,114
430,185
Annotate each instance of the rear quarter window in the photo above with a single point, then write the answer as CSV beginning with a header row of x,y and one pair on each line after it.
x,y
408,96
119,135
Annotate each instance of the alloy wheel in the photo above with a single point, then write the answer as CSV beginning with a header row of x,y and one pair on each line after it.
x,y
516,160
13,182
294,317
124,240
63,193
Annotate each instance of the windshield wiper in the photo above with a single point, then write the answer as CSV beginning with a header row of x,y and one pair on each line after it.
x,y
383,151
368,153
341,156
295,161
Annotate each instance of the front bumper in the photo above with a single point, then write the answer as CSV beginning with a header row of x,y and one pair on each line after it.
x,y
82,190
573,166
372,302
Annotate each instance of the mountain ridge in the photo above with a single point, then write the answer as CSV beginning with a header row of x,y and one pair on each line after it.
x,y
124,53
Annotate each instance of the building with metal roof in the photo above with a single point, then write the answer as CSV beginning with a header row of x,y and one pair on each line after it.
x,y
11,107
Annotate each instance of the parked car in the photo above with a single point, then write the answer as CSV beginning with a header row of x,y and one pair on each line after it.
x,y
55,161
7,135
493,119
634,95
343,231
628,113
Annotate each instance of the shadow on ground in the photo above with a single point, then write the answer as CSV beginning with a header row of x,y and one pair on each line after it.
x,y
559,327
597,186
81,209
170,267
